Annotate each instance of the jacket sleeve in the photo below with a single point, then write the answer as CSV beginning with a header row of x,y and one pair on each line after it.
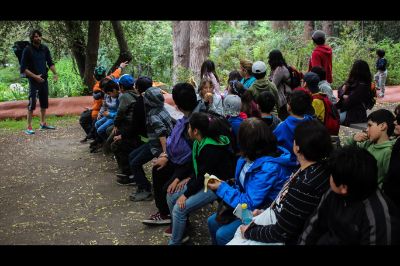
x,y
215,84
317,225
355,98
315,59
24,60
122,107
158,126
256,191
117,73
49,60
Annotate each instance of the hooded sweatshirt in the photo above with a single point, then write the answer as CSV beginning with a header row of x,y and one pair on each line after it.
x,y
381,152
212,157
322,56
158,120
262,182
284,133
261,85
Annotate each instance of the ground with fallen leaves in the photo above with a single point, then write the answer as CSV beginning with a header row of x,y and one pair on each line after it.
x,y
53,191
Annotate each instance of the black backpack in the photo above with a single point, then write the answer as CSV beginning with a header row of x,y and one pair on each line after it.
x,y
18,49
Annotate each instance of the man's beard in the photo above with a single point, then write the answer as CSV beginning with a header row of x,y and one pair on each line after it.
x,y
37,42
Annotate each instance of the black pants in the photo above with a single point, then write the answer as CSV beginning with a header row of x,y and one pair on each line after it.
x,y
86,121
163,178
121,150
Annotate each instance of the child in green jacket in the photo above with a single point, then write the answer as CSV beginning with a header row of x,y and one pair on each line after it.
x,y
376,140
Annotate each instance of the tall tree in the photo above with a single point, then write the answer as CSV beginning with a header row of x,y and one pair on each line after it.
x,y
124,53
327,27
181,46
308,29
280,25
199,45
92,50
76,41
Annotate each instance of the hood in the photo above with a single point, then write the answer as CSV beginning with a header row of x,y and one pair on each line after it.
x,y
292,122
385,145
284,160
324,49
153,98
260,84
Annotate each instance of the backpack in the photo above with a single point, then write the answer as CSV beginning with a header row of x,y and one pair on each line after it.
x,y
332,118
18,49
295,77
178,148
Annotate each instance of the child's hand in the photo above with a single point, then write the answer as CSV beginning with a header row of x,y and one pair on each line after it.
x,y
208,98
213,184
243,229
360,136
105,113
257,212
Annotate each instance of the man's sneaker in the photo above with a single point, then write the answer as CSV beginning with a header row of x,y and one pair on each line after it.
x,y
126,181
141,195
168,232
29,131
83,140
45,126
158,219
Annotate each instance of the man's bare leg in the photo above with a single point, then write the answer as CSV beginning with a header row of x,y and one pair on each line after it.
x,y
29,118
42,116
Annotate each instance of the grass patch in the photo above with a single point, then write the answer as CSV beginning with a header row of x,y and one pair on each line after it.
x,y
18,125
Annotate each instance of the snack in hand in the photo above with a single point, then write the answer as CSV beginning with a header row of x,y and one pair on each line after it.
x,y
207,178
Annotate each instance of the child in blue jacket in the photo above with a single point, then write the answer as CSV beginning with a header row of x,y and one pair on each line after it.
x,y
260,174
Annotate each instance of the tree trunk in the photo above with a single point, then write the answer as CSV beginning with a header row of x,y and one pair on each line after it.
x,y
124,53
76,41
181,47
251,23
199,45
327,27
308,29
92,50
280,25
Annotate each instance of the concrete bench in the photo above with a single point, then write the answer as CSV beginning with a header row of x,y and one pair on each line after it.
x,y
360,126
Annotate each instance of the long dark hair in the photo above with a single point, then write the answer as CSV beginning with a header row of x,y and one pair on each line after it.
x,y
359,73
206,67
275,59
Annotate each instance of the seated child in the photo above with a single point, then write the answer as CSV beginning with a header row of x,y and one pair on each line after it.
x,y
266,103
212,100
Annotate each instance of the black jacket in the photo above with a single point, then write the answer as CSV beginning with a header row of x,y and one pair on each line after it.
x,y
391,184
214,160
359,95
337,221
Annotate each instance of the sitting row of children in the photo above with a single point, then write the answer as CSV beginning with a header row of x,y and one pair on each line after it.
x,y
202,142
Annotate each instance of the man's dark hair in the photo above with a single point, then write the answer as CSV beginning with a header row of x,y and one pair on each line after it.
x,y
320,72
383,116
110,86
256,139
184,96
357,169
266,101
33,32
260,75
313,140
300,102
143,83
380,53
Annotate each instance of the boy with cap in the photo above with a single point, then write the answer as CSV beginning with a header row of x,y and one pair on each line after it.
x,y
261,84
321,55
232,106
310,82
125,139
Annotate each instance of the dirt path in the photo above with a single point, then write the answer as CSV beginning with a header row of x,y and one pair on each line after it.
x,y
53,191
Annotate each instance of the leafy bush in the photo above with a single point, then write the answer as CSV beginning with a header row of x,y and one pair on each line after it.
x,y
69,82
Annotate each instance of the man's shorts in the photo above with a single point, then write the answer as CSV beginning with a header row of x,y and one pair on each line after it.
x,y
40,89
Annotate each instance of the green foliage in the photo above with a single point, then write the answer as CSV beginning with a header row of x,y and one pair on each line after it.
x,y
17,125
69,82
10,75
392,55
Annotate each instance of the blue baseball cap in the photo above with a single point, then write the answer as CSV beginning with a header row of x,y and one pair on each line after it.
x,y
127,81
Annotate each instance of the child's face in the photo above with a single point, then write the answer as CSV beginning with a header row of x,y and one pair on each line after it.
x,y
397,128
207,88
374,131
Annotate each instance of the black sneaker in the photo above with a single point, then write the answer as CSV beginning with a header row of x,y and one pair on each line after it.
x,y
141,195
126,181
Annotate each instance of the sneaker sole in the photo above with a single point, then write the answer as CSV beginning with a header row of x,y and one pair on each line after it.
x,y
145,199
151,222
167,235
129,184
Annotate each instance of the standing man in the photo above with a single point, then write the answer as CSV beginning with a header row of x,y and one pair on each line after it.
x,y
35,61
321,55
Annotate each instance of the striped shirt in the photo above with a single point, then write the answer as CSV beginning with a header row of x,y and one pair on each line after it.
x,y
337,221
297,200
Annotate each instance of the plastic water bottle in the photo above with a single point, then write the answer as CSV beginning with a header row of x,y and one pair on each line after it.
x,y
247,215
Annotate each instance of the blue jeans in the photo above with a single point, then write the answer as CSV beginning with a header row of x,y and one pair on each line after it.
x,y
221,234
179,216
102,125
342,116
137,158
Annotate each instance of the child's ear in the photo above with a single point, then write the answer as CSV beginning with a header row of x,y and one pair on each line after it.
x,y
342,189
383,126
